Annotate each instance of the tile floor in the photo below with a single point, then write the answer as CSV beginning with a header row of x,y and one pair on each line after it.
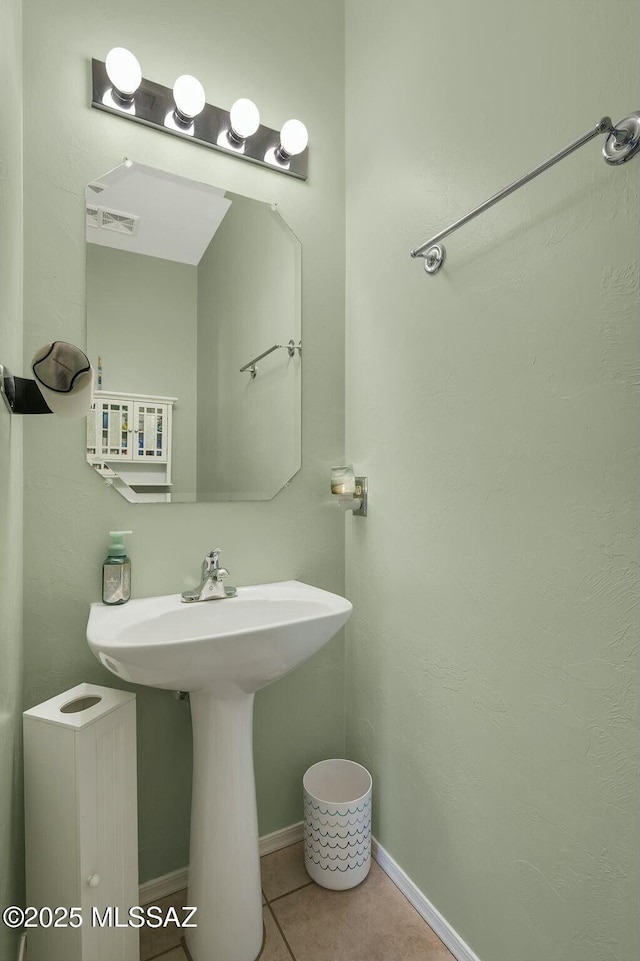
x,y
304,922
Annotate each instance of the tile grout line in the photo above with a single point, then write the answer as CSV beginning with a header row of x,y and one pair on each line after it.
x,y
287,893
185,949
282,934
156,957
390,875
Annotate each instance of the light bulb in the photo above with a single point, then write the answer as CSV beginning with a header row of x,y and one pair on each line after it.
x,y
123,70
245,118
293,138
189,96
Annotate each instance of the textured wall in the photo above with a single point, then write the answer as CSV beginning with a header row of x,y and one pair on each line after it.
x,y
492,654
288,57
11,860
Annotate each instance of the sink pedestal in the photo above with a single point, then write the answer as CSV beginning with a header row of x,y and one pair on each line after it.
x,y
224,863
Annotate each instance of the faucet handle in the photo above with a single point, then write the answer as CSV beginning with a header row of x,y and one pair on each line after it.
x,y
210,563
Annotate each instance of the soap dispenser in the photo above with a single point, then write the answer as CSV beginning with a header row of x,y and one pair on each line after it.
x,y
116,571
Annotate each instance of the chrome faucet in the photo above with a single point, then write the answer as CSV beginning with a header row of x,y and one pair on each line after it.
x,y
211,586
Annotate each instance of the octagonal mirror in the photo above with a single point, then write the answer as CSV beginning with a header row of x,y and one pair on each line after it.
x,y
194,329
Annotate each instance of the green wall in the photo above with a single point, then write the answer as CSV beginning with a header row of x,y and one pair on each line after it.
x,y
208,382
142,321
249,430
11,857
289,57
491,681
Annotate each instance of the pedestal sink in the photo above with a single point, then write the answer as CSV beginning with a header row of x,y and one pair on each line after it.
x,y
222,652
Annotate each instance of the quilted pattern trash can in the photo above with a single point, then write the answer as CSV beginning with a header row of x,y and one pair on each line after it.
x,y
337,823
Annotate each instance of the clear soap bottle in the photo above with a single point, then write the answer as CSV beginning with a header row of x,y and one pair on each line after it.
x,y
116,571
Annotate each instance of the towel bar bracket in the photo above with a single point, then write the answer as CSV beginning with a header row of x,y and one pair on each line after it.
x,y
434,258
623,141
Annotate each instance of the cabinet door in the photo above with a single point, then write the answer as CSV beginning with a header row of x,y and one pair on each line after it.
x,y
112,438
151,432
108,836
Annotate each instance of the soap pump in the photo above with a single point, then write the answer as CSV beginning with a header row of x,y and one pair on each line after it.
x,y
116,571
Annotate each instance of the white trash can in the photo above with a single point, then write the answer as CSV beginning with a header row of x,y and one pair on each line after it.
x,y
337,823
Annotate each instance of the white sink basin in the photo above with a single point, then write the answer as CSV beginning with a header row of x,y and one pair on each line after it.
x,y
222,651
238,644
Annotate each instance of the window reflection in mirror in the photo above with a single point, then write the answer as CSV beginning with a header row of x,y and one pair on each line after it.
x,y
186,284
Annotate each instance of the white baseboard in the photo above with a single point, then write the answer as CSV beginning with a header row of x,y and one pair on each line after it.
x,y
177,880
22,947
282,838
152,891
459,948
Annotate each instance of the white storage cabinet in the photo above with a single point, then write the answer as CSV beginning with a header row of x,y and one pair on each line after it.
x,y
130,427
81,821
129,440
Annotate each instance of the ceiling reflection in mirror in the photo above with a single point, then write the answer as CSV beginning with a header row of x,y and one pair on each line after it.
x,y
194,330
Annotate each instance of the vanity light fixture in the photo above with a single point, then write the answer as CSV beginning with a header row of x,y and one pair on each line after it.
x,y
62,384
351,491
119,88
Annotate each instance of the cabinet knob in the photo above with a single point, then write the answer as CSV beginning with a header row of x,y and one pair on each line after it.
x,y
93,880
